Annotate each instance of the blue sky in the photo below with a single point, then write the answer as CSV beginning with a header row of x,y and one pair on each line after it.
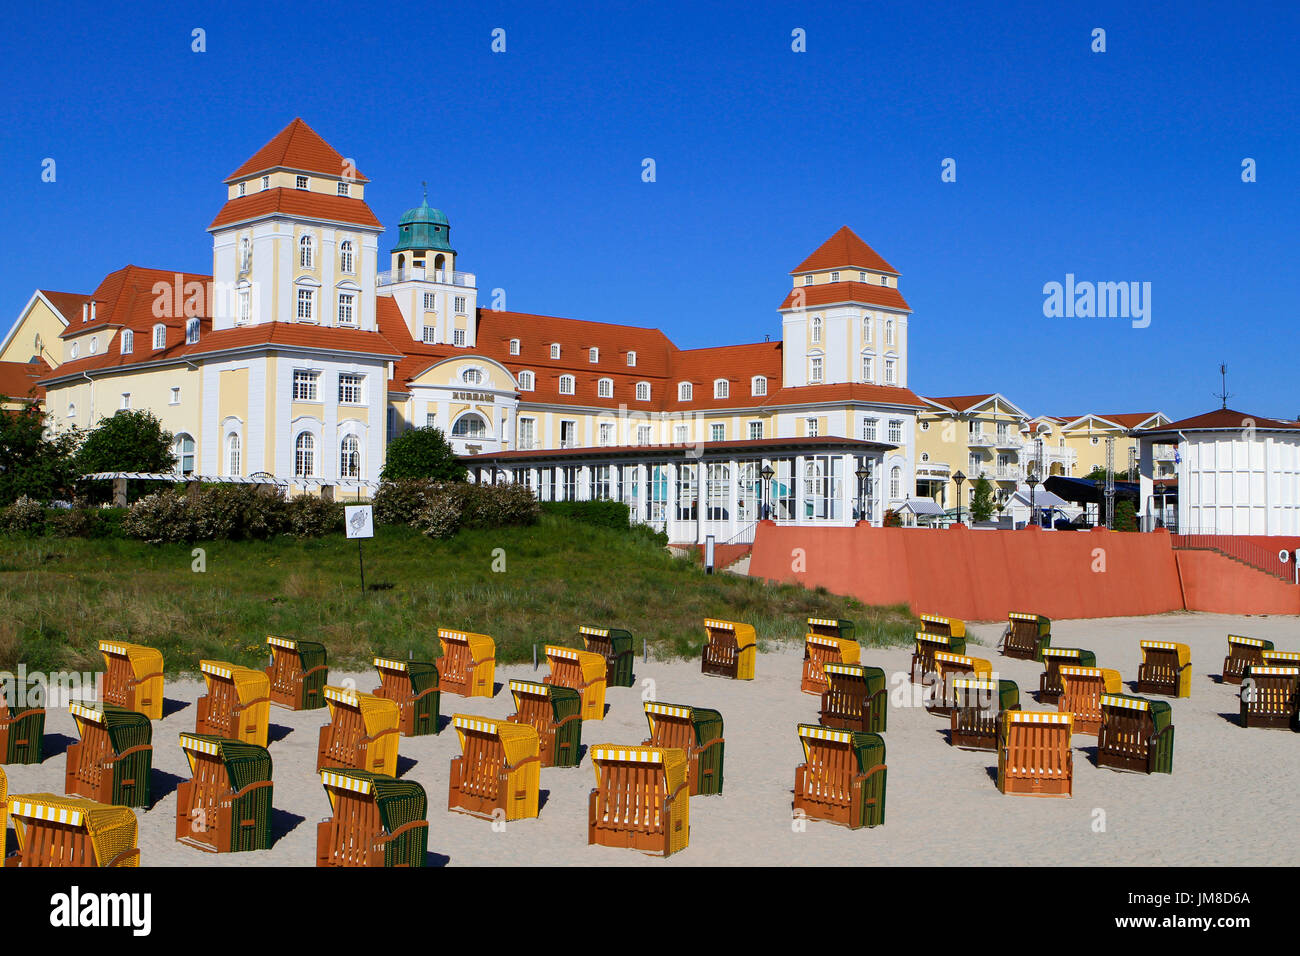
x,y
1115,166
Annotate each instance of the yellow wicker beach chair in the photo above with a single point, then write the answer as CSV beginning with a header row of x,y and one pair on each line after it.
x,y
584,671
65,831
468,663
730,650
498,771
363,732
641,800
237,705
133,677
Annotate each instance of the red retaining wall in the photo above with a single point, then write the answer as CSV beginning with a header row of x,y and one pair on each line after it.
x,y
1212,582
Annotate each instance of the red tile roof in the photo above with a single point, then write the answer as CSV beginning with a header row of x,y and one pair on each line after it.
x,y
18,380
295,202
827,293
1223,419
1129,419
68,304
126,299
842,251
845,392
297,147
961,403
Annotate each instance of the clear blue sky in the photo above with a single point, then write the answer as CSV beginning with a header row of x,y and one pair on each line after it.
x,y
1118,166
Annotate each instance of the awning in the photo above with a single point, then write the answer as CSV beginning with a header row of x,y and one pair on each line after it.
x,y
1085,491
922,506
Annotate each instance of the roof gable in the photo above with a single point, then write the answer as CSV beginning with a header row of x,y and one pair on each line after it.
x,y
841,251
297,147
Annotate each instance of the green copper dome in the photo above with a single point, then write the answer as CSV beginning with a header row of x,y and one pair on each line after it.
x,y
423,228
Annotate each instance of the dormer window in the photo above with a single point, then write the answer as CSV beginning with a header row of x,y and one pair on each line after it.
x,y
159,336
555,350
605,388
835,277
301,182
862,277
721,388
643,393
243,188
514,346
593,355
631,359
884,280
191,331
526,381
566,384
305,252
343,188
128,341
807,280
758,385
684,391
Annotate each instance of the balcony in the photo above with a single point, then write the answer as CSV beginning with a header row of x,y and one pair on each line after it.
x,y
394,276
980,441
1163,452
1008,443
1008,474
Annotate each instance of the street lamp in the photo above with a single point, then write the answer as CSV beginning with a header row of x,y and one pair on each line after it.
x,y
767,474
959,478
863,474
1032,482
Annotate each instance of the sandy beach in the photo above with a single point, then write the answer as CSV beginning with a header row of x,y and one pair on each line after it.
x,y
1225,803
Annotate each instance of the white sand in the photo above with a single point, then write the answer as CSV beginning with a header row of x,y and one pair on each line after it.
x,y
1229,801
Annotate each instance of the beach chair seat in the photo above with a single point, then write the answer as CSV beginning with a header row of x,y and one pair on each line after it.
x,y
377,820
1270,696
22,726
827,642
856,698
1136,734
497,774
362,733
467,667
1026,636
842,778
730,650
929,643
1242,652
299,671
1081,695
947,666
1049,683
641,800
1034,755
556,714
225,806
52,830
1166,669
696,732
112,762
237,705
978,706
133,677
413,686
615,645
584,671
947,626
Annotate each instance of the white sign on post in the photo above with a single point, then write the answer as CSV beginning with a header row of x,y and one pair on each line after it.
x,y
359,521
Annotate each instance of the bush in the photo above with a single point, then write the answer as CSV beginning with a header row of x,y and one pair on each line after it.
x,y
24,517
421,453
402,501
75,522
237,512
158,518
494,506
603,514
309,517
441,517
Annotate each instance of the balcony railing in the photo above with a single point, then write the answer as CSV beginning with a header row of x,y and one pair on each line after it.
x,y
980,441
392,276
1009,443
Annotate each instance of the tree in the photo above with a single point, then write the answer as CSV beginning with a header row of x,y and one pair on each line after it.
x,y
1125,516
982,504
1099,474
422,453
127,441
31,464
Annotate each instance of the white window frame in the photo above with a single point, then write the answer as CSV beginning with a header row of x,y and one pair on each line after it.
x,y
459,304
266,182
354,455
758,385
718,431
191,331
643,391
429,334
301,182
807,280
815,369
811,427
306,251
159,337
306,305
347,308
755,425
685,391
472,376
342,188
817,330
555,350
593,355
458,337
234,454
631,359
527,382
126,402
127,345
514,346
430,302
174,395
346,259
567,383
721,388
351,384
306,385
304,452
835,276
605,388
869,431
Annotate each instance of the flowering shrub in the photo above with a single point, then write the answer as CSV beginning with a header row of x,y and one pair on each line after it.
x,y
441,517
307,516
25,516
158,518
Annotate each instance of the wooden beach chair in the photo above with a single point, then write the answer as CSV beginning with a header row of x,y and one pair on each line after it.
x,y
842,778
362,733
1049,684
1034,755
67,831
641,800
947,666
377,821
467,667
413,686
696,732
615,645
1136,734
1281,658
730,650
1270,697
112,762
819,649
22,726
133,677
237,705
556,714
1166,669
584,671
1242,652
496,776
979,703
856,698
225,806
1026,636
299,671
4,816
947,626
927,645
1082,689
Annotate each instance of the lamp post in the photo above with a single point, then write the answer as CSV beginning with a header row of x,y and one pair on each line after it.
x,y
1032,482
863,474
959,478
767,474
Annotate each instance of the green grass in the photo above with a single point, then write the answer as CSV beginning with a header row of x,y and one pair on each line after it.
x,y
60,597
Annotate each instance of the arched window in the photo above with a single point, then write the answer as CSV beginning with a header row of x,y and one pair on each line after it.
x,y
304,252
896,482
345,255
94,344
159,336
350,457
889,331
605,388
72,411
191,331
867,325
643,391
245,255
555,350
526,381
234,465
469,425
631,358
514,346
817,330
183,446
721,388
304,455
684,391
472,376
128,341
566,384
758,385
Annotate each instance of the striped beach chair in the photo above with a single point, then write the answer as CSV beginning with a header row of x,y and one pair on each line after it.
x,y
947,666
1034,755
1166,669
1026,636
927,645
821,647
842,778
947,626
237,705
225,806
641,800
584,671
362,733
413,686
696,732
1242,652
1136,734
615,645
67,831
978,706
1281,658
1081,695
299,671
1270,696
114,758
556,714
133,677
22,726
1049,684
855,698
377,821
730,650
467,667
497,774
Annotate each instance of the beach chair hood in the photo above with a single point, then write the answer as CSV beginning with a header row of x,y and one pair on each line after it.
x,y
399,801
377,713
249,684
112,829
246,764
672,759
144,660
518,741
565,701
481,646
423,675
868,748
125,728
705,723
